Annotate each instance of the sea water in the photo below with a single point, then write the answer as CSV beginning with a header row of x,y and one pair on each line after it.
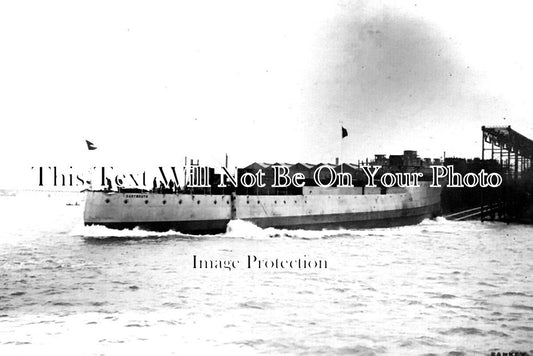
x,y
437,288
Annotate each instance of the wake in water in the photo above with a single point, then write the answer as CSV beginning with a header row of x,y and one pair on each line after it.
x,y
235,229
97,232
247,230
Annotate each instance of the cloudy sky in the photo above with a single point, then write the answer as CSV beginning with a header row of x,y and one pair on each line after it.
x,y
152,82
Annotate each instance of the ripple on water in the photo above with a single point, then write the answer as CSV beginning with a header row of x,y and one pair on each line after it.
x,y
456,353
514,294
523,327
497,333
98,304
254,305
522,306
444,296
487,284
463,331
60,304
359,350
173,305
137,325
447,305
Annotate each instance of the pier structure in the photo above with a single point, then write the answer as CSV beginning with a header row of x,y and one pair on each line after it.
x,y
508,153
513,151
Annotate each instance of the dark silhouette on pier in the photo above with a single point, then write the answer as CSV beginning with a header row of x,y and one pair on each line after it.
x,y
511,154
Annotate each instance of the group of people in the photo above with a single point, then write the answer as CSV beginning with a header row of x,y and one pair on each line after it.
x,y
172,187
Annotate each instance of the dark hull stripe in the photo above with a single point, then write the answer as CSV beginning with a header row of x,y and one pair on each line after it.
x,y
309,222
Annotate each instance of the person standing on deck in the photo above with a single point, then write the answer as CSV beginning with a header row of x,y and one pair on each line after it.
x,y
171,185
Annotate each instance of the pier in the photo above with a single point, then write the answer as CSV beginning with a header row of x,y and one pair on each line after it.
x,y
509,153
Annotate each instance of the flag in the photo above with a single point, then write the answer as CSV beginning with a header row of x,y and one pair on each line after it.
x,y
344,132
90,145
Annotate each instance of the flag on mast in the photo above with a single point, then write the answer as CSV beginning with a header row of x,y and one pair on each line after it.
x,y
90,145
344,132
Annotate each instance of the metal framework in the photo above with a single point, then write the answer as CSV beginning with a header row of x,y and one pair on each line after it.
x,y
513,151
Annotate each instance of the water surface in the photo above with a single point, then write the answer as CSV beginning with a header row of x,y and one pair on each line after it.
x,y
440,287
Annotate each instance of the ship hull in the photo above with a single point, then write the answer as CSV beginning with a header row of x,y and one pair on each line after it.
x,y
311,222
314,210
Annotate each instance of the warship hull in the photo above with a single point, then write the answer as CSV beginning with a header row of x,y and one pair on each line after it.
x,y
315,209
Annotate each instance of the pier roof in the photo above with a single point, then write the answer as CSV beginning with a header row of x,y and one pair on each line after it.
x,y
509,139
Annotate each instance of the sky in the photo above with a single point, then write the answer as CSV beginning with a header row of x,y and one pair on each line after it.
x,y
150,83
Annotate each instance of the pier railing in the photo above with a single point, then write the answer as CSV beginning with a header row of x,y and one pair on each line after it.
x,y
494,211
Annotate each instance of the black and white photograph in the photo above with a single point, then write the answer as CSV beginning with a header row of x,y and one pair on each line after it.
x,y
249,177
